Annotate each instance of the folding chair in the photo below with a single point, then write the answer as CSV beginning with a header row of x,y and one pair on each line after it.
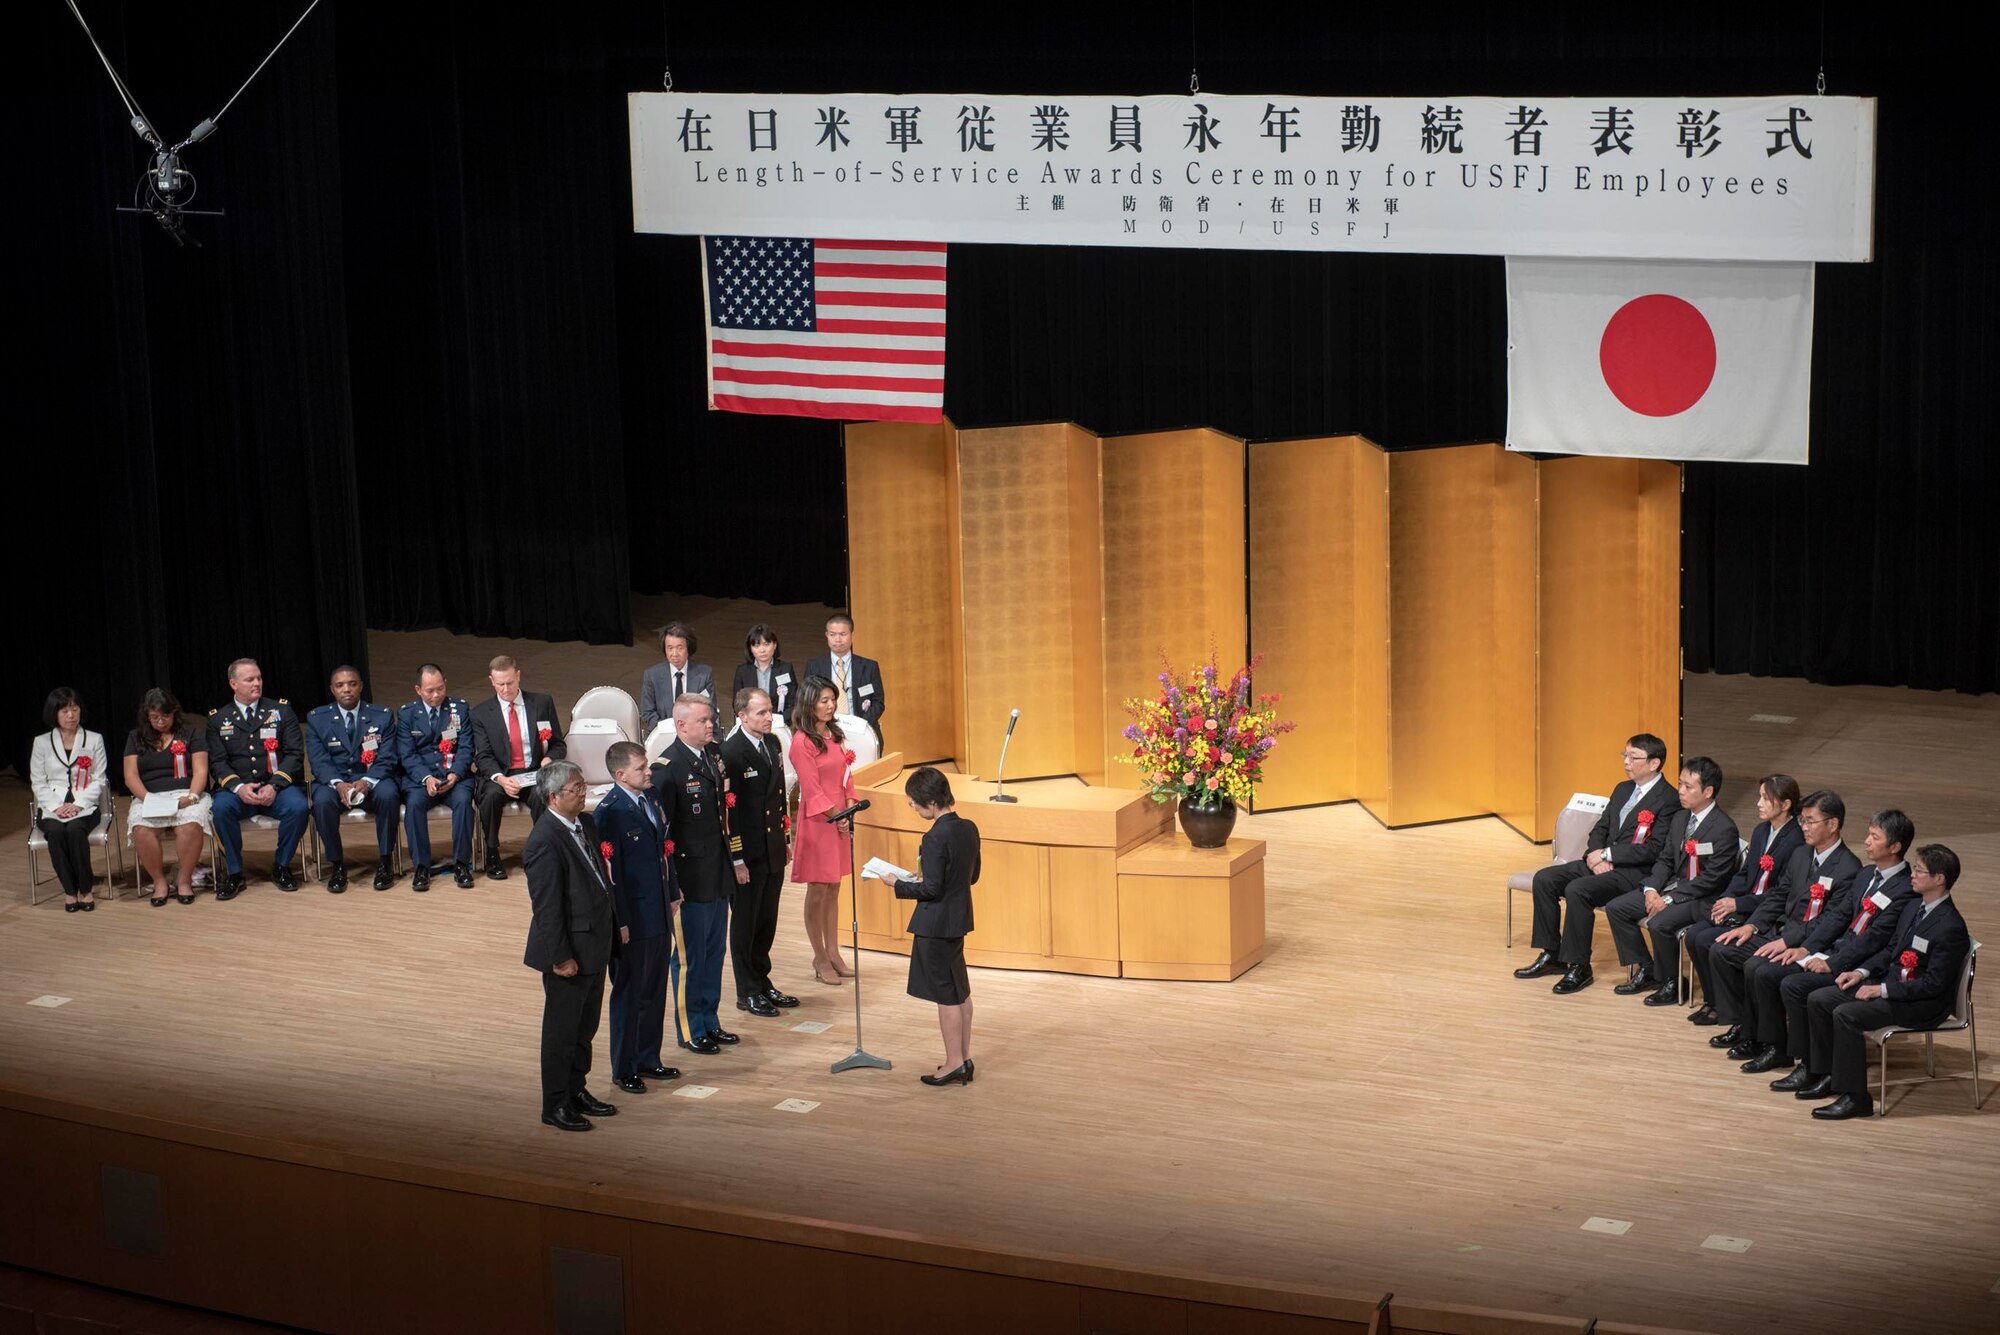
x,y
1572,829
1960,1019
101,837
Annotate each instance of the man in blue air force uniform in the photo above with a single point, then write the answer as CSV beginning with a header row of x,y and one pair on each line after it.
x,y
351,744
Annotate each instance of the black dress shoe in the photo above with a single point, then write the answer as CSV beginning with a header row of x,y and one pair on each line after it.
x,y
232,886
1745,1050
284,880
723,1036
1846,1106
1815,1087
757,1005
705,1045
1574,979
1637,983
958,1075
1767,1059
1728,1038
1544,963
660,1072
495,872
461,876
779,999
420,879
1668,994
1706,1016
384,875
631,1084
1797,1080
336,880
590,1107
73,906
565,1118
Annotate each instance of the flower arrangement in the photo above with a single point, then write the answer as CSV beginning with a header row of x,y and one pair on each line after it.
x,y
1203,739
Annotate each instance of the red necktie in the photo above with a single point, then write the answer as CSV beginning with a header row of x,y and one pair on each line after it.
x,y
515,759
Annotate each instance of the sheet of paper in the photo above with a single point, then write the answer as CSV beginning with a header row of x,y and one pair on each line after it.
x,y
880,869
160,804
526,780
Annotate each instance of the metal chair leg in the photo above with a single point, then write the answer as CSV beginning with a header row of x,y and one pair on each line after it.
x,y
1882,1100
34,878
1510,917
1930,1055
1972,1028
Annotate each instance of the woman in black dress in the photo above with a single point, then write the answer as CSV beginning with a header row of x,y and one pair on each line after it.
x,y
948,860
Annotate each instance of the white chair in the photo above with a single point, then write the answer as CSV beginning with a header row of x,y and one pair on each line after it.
x,y
101,837
783,734
658,740
861,741
589,739
1572,830
357,816
608,703
1960,1019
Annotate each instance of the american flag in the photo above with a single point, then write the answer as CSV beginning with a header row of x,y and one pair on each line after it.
x,y
809,328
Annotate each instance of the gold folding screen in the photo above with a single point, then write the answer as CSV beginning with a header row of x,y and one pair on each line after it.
x,y
1456,631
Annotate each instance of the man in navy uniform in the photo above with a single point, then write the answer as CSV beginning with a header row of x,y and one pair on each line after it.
x,y
857,681
256,758
434,735
755,769
633,827
352,746
690,786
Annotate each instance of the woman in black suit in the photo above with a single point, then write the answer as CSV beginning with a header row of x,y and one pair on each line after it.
x,y
949,862
1772,844
762,668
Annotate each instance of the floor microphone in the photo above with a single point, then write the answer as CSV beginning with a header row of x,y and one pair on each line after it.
x,y
1000,771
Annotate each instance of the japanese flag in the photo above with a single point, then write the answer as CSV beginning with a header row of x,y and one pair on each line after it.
x,y
1658,359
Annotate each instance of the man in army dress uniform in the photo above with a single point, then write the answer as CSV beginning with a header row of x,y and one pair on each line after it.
x,y
256,758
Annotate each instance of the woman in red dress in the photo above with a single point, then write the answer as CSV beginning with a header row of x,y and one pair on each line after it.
x,y
820,855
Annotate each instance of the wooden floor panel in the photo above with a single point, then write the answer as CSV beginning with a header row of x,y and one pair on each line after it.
x,y
1376,1106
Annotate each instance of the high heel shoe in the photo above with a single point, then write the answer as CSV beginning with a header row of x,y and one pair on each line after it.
x,y
840,967
821,977
957,1075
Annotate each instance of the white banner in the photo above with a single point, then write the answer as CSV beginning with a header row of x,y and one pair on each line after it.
x,y
1746,178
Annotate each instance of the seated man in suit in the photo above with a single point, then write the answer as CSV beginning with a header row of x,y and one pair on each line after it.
x,y
514,734
435,756
352,746
857,681
643,889
1817,882
572,938
1700,856
256,759
1881,897
1913,980
1761,872
677,675
1623,844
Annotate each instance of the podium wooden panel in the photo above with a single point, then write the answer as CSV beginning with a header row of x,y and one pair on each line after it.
x,y
1191,913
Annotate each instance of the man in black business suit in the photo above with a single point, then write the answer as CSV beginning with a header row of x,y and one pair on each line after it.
x,y
857,681
690,785
1913,980
755,769
571,939
514,734
1699,858
1882,895
1623,844
1817,881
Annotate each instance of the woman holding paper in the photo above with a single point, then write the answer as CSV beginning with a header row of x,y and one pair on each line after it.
x,y
820,855
948,864
67,772
166,771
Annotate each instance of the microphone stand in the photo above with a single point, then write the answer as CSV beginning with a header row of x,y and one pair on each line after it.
x,y
860,1058
1000,770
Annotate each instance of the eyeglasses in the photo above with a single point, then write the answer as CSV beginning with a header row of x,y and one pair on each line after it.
x,y
576,789
1811,820
1635,759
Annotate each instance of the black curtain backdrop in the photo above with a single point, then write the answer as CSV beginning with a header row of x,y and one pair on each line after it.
x,y
426,346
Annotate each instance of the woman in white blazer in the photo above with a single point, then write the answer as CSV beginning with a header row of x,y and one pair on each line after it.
x,y
68,771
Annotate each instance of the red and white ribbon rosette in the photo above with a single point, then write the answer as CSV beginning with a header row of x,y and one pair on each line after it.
x,y
1694,858
82,772
610,866
729,801
180,750
368,749
1642,827
666,848
446,746
1764,866
544,731
1869,908
270,756
1909,959
1817,898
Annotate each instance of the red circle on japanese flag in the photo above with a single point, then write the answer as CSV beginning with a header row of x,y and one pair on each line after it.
x,y
1658,355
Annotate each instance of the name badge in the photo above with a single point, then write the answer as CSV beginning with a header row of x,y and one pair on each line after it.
x,y
784,679
267,732
1922,945
868,689
334,744
1826,881
1703,850
749,773
1879,900
451,734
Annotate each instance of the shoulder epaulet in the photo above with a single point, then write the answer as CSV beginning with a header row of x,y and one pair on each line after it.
x,y
211,713
283,701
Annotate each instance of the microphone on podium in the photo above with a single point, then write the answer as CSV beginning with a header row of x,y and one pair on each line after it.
x,y
1000,772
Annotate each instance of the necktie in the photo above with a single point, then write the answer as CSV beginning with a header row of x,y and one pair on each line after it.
x,y
652,808
576,833
679,689
1630,802
840,685
348,714
515,760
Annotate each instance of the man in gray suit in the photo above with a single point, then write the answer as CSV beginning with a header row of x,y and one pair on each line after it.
x,y
678,675
570,942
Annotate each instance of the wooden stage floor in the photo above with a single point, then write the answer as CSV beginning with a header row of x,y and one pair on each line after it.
x,y
1377,1106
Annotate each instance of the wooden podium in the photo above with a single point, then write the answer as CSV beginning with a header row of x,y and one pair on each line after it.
x,y
1073,879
